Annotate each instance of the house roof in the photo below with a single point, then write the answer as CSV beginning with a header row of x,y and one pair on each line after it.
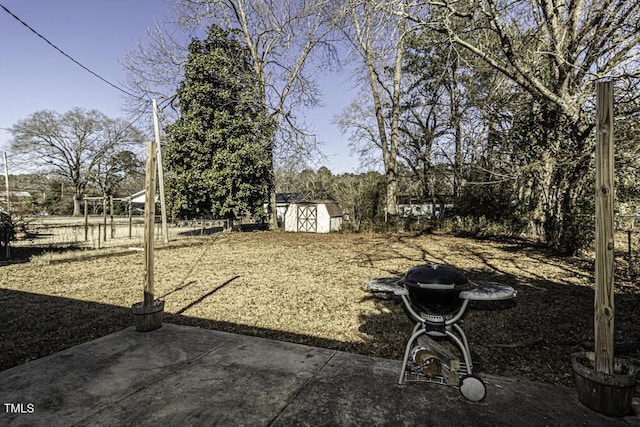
x,y
140,197
14,194
284,198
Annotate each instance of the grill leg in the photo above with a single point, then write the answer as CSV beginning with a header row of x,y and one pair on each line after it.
x,y
463,345
417,331
462,335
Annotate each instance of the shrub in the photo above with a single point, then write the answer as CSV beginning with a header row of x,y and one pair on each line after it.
x,y
7,230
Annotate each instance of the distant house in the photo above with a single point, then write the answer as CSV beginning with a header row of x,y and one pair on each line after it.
x,y
15,195
15,198
313,217
283,200
414,207
139,198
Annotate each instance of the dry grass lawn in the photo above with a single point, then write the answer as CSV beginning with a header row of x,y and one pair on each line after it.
x,y
309,289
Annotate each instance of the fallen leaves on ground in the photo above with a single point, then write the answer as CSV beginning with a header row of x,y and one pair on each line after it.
x,y
309,289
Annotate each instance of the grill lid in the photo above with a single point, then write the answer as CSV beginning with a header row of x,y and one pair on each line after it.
x,y
436,276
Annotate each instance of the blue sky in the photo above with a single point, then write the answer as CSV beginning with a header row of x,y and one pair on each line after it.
x,y
97,33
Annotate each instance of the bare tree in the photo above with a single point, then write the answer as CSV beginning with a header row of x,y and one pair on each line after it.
x,y
72,145
555,51
121,166
377,38
358,120
155,69
427,115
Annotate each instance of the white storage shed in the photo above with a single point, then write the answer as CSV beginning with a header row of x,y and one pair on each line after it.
x,y
313,217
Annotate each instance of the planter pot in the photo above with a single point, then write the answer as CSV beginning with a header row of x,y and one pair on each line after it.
x,y
609,394
147,318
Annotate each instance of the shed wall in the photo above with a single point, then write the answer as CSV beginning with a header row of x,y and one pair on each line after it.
x,y
325,223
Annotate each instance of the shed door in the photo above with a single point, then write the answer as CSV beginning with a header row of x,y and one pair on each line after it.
x,y
308,218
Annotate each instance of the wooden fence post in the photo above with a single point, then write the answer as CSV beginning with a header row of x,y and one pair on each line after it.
x,y
86,220
6,182
605,187
113,230
104,217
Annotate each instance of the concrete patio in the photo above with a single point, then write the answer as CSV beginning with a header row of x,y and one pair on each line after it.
x,y
180,375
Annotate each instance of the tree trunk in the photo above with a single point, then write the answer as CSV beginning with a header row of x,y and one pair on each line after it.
x,y
391,160
539,194
76,204
566,229
391,207
272,209
457,129
388,145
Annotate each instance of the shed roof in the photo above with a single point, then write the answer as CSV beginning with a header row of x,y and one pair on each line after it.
x,y
333,208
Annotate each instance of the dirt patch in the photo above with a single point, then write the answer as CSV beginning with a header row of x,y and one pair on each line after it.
x,y
309,289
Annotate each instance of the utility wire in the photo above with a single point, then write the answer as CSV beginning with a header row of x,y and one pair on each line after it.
x,y
67,55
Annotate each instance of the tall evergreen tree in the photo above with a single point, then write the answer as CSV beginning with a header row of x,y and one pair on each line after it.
x,y
217,156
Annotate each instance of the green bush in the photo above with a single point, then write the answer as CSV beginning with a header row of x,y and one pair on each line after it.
x,y
7,230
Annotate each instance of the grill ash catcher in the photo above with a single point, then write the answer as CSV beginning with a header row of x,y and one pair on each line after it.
x,y
436,296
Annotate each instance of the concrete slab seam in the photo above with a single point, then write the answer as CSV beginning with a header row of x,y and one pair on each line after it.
x,y
302,388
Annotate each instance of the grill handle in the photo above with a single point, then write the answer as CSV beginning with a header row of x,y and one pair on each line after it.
x,y
436,286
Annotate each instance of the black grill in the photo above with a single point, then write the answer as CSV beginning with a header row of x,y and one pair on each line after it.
x,y
435,296
434,289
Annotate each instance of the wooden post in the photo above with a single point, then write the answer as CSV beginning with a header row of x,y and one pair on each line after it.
x,y
113,230
8,194
6,183
104,217
604,307
130,216
86,220
163,210
149,219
